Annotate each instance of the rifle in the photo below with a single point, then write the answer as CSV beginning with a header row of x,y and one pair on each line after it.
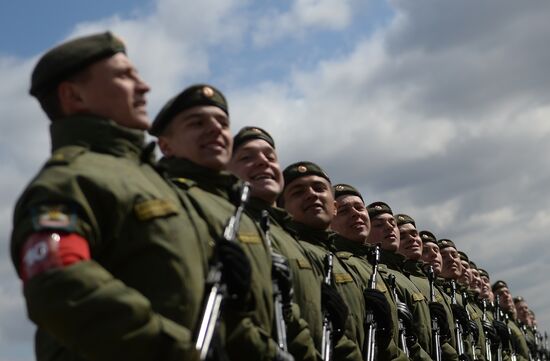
x,y
474,341
401,308
326,340
436,331
488,353
280,324
216,288
513,352
497,317
370,322
459,332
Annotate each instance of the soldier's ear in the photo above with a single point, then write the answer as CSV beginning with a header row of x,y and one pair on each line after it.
x,y
165,146
335,209
70,98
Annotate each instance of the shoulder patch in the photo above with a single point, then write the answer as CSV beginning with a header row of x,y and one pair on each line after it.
x,y
342,278
65,155
249,237
60,217
417,296
303,263
184,183
153,208
344,255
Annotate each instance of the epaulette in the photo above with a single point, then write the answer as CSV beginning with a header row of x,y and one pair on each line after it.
x,y
344,254
65,155
184,183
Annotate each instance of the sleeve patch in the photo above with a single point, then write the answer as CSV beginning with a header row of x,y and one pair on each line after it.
x,y
49,250
61,217
154,208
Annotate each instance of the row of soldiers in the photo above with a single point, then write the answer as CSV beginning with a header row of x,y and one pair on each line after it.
x,y
215,253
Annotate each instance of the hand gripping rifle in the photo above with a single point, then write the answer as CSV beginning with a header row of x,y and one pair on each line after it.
x,y
402,310
472,333
436,331
216,288
280,324
326,340
459,332
370,322
488,343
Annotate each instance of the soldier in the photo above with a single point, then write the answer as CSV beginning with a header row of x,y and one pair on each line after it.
x,y
352,226
385,231
411,247
518,345
254,160
308,198
526,325
193,130
110,265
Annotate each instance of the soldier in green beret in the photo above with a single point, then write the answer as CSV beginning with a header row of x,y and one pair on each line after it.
x,y
352,227
411,247
417,322
518,344
254,160
193,130
309,199
525,324
110,265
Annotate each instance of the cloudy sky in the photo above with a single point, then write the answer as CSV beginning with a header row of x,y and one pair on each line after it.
x,y
440,108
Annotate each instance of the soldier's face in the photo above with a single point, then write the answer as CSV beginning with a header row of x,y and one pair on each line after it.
x,y
431,255
452,269
200,134
256,162
485,287
384,231
475,283
310,201
523,312
112,88
410,244
466,276
506,300
352,219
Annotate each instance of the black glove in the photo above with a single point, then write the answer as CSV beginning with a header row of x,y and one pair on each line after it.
x,y
283,356
490,332
502,332
461,316
236,270
438,311
282,273
376,302
334,304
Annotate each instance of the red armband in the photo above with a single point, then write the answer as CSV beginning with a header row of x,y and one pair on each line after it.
x,y
48,250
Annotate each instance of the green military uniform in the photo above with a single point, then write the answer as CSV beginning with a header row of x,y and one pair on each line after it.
x,y
417,276
476,316
415,300
518,339
355,256
249,334
306,278
140,293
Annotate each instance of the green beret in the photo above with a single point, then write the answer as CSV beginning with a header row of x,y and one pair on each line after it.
x,y
377,208
445,243
403,219
498,285
518,299
67,59
463,256
482,273
198,94
247,134
428,237
302,169
472,265
346,190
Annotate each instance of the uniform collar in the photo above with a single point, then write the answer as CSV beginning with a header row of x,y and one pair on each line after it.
x,y
312,235
347,245
97,134
393,260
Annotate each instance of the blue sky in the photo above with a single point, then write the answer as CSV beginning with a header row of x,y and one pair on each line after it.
x,y
438,108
